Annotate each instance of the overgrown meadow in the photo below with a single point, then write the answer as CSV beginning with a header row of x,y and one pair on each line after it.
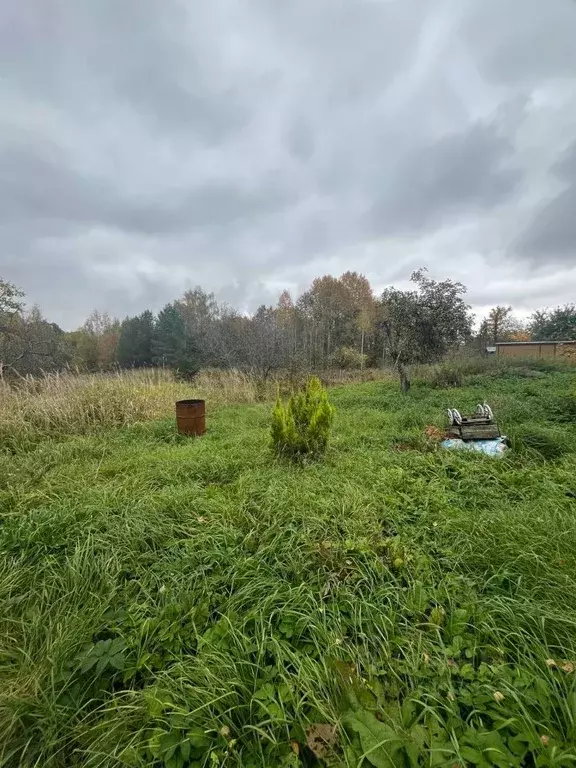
x,y
176,602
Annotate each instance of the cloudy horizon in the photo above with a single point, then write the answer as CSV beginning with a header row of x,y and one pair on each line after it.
x,y
150,146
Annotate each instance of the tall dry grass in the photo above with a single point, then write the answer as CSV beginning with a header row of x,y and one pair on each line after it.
x,y
61,404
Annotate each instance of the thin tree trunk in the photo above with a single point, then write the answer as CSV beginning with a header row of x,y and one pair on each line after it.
x,y
404,380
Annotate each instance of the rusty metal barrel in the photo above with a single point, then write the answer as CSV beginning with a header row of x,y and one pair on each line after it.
x,y
191,417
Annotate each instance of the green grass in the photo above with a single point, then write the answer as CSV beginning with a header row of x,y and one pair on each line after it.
x,y
174,602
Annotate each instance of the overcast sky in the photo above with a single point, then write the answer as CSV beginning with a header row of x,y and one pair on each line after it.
x,y
147,146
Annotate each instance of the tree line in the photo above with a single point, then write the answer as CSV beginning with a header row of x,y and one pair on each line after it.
x,y
337,322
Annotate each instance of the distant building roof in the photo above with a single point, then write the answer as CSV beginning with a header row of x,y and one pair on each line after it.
x,y
532,343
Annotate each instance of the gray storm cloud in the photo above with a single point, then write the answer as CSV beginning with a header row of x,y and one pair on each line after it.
x,y
149,145
551,236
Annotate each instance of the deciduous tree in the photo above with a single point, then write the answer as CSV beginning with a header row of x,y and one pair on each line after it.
x,y
29,344
423,324
557,324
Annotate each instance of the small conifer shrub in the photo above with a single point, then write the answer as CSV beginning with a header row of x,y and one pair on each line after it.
x,y
301,427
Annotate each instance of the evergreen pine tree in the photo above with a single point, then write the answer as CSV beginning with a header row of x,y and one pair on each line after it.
x,y
135,342
173,347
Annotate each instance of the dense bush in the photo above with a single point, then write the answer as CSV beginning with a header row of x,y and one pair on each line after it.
x,y
347,358
301,427
457,372
446,376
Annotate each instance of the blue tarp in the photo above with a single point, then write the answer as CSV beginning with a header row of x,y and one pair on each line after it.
x,y
496,447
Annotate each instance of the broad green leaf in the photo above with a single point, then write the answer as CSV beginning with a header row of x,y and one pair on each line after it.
x,y
413,755
169,743
265,693
467,671
174,761
88,663
473,756
284,692
117,662
379,741
185,749
518,745
275,710
418,736
116,646
154,706
198,738
154,743
101,647
409,713
129,756
178,720
101,666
